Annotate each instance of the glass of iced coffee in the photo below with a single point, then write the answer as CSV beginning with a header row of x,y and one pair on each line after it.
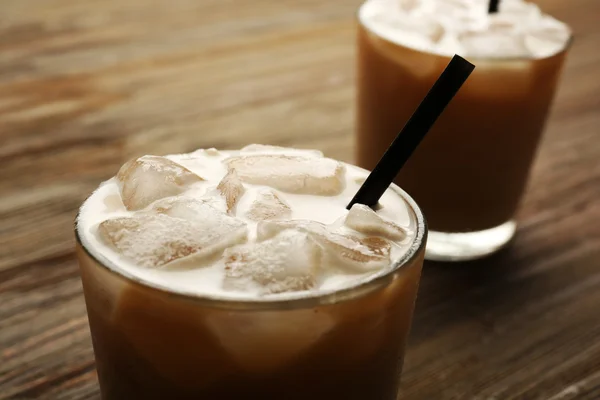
x,y
470,172
241,275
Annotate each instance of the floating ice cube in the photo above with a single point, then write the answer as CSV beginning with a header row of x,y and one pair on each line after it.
x,y
184,231
268,229
212,152
268,205
422,32
344,252
355,255
265,341
363,219
548,38
497,43
465,14
150,240
232,189
149,178
201,212
407,5
518,14
215,198
287,262
456,7
293,174
267,149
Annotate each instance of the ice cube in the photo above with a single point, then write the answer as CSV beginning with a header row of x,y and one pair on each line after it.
x,y
293,174
407,5
287,262
232,189
455,7
422,32
202,213
548,38
184,232
267,149
214,198
268,205
464,13
518,14
344,252
497,43
363,219
212,152
268,229
355,255
266,341
185,207
149,178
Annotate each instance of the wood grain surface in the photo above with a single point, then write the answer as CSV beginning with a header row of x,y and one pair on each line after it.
x,y
85,85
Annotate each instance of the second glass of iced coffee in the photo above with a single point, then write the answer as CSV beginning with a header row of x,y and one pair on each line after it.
x,y
470,172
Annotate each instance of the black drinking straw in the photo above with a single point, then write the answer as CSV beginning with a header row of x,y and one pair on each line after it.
x,y
493,8
432,106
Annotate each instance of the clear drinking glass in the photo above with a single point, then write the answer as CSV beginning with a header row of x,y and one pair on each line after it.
x,y
470,172
150,343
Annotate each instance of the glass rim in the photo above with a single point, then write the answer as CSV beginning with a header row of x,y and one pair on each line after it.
x,y
290,301
568,44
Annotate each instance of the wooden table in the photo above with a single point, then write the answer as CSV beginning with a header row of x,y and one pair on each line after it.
x,y
85,85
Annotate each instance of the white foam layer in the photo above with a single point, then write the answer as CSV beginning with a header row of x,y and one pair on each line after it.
x,y
105,203
464,27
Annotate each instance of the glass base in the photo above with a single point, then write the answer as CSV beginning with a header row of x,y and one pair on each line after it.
x,y
442,246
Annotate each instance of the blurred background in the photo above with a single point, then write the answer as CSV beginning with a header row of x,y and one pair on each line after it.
x,y
86,85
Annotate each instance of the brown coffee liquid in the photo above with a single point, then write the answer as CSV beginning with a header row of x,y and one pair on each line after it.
x,y
470,171
154,345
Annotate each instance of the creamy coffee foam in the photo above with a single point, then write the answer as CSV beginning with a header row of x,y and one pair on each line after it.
x,y
464,27
260,222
